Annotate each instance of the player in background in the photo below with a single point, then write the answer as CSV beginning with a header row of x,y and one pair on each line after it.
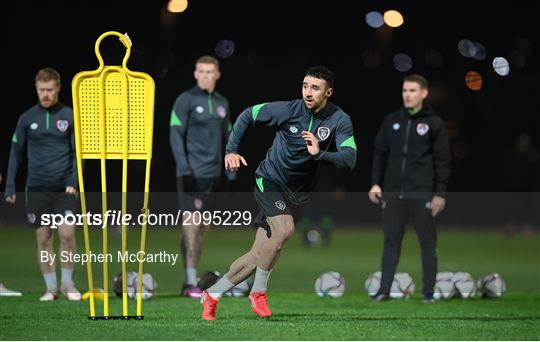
x,y
411,168
46,130
199,129
310,131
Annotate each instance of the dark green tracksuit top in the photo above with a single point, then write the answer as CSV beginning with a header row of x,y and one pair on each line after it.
x,y
49,135
199,128
288,162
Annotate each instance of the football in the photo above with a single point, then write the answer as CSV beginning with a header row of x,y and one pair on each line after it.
x,y
465,288
464,285
491,286
373,283
444,289
460,276
402,286
447,276
208,279
330,285
241,289
149,285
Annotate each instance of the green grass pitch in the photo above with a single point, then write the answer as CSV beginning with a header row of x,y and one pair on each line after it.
x,y
298,313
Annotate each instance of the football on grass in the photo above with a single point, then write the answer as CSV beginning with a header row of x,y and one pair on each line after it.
x,y
330,285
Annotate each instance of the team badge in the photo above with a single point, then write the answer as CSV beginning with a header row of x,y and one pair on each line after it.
x,y
62,125
31,218
422,128
199,109
323,133
293,129
33,126
221,112
395,126
280,205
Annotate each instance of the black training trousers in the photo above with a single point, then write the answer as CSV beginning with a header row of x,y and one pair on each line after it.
x,y
396,214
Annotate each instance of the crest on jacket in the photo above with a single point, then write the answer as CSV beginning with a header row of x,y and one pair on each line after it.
x,y
323,133
62,125
422,128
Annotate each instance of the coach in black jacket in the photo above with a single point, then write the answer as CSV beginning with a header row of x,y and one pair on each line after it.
x,y
412,163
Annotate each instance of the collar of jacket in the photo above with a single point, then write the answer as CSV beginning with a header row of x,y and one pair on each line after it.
x,y
202,91
425,111
52,110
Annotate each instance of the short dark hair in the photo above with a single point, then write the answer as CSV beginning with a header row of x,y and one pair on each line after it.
x,y
207,59
322,73
421,80
48,74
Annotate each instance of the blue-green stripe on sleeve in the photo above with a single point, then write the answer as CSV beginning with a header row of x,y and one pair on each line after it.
x,y
175,121
349,142
256,109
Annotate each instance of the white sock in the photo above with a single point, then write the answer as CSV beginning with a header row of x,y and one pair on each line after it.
x,y
261,280
67,276
218,289
50,281
191,276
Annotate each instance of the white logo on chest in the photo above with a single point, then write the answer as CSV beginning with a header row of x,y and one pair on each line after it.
x,y
422,128
323,133
221,112
293,129
62,125
199,109
395,126
33,126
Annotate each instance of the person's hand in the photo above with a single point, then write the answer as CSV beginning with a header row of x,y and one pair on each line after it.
x,y
233,162
437,205
375,194
71,190
311,142
11,199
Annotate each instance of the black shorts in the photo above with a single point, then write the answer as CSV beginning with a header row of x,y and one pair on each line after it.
x,y
41,201
272,201
196,194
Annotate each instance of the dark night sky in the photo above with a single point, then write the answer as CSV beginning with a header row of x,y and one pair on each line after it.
x,y
275,42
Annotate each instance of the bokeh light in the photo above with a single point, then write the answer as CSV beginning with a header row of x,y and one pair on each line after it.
x,y
479,52
473,80
466,48
402,62
393,18
501,66
374,19
177,6
224,48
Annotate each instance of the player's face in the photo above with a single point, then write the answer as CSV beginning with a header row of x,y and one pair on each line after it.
x,y
315,93
206,76
413,95
47,93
